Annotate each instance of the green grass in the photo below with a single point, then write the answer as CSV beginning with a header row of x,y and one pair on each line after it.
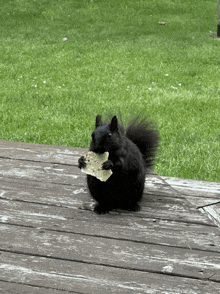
x,y
116,57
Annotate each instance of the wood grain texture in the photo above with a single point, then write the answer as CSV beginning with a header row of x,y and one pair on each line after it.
x,y
195,188
214,212
110,252
52,242
43,153
114,225
17,288
89,278
43,190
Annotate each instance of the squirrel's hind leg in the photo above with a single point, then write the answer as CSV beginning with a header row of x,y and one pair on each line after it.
x,y
101,209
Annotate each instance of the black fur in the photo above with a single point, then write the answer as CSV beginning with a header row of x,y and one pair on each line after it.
x,y
131,152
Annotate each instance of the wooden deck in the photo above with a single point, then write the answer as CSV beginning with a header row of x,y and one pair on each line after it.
x,y
50,245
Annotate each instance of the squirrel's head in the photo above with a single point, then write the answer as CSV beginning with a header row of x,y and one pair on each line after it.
x,y
106,136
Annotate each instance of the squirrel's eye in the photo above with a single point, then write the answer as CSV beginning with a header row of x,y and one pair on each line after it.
x,y
109,135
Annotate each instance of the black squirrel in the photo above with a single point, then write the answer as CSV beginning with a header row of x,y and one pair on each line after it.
x,y
131,152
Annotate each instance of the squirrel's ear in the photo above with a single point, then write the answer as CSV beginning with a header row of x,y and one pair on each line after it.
x,y
98,121
114,124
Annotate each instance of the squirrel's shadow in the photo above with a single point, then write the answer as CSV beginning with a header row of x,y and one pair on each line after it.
x,y
90,206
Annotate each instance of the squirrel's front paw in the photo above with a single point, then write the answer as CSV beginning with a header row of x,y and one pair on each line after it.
x,y
82,162
107,165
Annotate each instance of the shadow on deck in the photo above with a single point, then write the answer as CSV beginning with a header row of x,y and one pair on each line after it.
x,y
50,245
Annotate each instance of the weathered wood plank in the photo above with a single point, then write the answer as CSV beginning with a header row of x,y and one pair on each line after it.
x,y
56,173
68,175
115,225
203,195
153,206
43,172
88,278
195,188
41,153
199,202
18,288
178,209
64,174
216,277
110,252
214,212
41,190
154,184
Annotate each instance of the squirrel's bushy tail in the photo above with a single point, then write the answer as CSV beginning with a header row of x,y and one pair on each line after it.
x,y
145,136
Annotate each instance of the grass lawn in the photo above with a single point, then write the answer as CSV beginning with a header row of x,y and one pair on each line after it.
x,y
63,62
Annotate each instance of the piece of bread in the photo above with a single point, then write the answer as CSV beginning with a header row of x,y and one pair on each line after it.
x,y
94,163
